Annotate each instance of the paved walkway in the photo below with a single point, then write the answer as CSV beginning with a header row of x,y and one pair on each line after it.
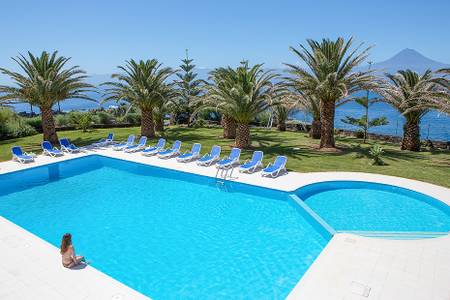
x,y
350,267
353,267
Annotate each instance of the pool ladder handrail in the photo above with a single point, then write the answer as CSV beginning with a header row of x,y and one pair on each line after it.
x,y
225,172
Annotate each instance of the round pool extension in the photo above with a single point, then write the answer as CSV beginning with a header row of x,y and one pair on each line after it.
x,y
366,206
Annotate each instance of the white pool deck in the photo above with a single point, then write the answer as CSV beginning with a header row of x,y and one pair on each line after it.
x,y
350,266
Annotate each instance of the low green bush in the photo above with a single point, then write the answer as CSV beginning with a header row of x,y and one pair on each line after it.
x,y
35,122
62,120
104,118
359,134
377,155
19,129
81,120
85,121
199,123
132,118
13,126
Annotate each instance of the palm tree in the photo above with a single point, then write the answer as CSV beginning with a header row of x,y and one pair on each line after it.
x,y
363,122
45,81
309,104
413,95
229,126
330,77
281,111
444,82
162,106
241,94
285,103
141,84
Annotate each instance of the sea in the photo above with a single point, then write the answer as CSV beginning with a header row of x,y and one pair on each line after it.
x,y
434,125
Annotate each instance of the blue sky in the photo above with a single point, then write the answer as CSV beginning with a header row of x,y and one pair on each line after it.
x,y
99,35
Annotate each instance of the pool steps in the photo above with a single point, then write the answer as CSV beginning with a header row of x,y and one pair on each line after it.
x,y
329,231
397,235
393,235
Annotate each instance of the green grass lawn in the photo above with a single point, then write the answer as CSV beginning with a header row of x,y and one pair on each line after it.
x,y
302,152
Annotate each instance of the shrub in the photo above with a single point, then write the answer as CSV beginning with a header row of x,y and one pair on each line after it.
x,y
6,115
85,121
62,120
104,118
13,126
132,118
359,134
210,115
264,118
73,117
199,123
95,119
19,129
35,122
81,120
377,155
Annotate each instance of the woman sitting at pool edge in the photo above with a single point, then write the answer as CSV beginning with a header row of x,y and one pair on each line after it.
x,y
69,259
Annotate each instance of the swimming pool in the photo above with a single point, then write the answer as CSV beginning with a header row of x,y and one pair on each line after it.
x,y
165,233
170,234
365,206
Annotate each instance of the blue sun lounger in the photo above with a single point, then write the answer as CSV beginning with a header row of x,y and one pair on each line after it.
x,y
123,145
20,156
168,153
105,142
68,147
192,155
278,166
252,165
138,147
231,160
152,150
48,149
210,158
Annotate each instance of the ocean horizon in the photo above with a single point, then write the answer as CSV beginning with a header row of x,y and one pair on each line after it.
x,y
434,125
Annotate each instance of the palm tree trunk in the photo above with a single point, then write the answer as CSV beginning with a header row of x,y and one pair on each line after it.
x,y
315,129
189,121
281,125
173,119
48,126
229,127
159,124
147,126
411,135
327,109
242,136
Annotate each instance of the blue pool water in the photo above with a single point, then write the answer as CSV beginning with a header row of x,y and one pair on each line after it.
x,y
363,206
164,233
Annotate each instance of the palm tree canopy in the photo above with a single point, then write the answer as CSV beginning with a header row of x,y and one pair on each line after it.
x,y
45,81
242,93
444,82
142,84
330,74
412,93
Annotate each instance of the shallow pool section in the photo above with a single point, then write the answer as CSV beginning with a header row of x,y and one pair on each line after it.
x,y
364,206
165,233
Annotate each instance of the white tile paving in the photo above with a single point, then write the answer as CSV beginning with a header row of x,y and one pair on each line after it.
x,y
369,268
350,267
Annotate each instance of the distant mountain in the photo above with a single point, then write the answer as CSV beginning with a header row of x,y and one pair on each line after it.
x,y
408,59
